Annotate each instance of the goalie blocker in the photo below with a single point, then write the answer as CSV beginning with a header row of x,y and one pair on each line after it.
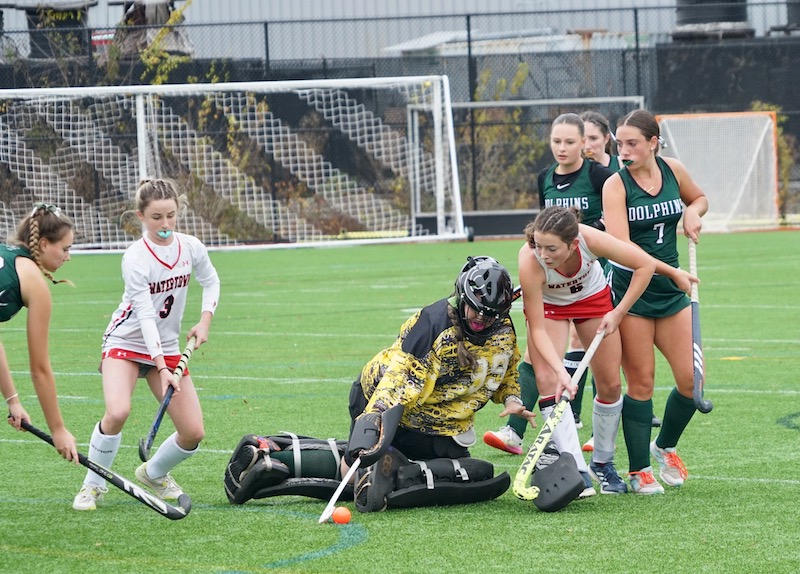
x,y
288,464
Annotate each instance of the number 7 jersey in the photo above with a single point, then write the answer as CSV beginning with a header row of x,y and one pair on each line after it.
x,y
653,220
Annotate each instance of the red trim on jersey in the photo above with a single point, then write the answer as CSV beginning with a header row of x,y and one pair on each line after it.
x,y
143,358
164,263
593,306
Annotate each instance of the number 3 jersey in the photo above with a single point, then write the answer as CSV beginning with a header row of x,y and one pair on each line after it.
x,y
156,285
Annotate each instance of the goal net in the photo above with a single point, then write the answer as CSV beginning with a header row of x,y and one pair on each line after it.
x,y
733,158
262,162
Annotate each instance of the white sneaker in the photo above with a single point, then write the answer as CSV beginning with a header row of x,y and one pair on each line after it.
x,y
643,482
672,470
165,486
505,439
87,497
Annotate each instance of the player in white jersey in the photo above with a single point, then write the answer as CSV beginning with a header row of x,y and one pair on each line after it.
x,y
142,341
562,281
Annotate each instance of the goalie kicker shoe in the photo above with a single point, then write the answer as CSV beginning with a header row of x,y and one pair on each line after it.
x,y
165,486
88,496
505,439
375,482
672,470
607,476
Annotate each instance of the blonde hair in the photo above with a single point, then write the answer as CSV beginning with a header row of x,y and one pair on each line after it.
x,y
44,222
148,191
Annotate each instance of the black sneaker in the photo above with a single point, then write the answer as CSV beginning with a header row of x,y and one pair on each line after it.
x,y
578,423
607,476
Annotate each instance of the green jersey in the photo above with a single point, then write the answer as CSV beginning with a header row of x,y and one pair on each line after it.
x,y
653,219
10,290
581,189
653,226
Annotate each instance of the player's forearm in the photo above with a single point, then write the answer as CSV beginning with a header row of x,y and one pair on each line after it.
x,y
45,386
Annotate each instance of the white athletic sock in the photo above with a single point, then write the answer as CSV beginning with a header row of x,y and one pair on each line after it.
x,y
102,450
565,436
167,457
605,424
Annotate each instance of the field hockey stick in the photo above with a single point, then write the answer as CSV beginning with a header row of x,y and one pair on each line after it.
x,y
702,405
160,506
328,512
521,487
145,444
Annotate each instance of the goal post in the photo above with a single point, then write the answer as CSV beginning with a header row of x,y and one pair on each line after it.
x,y
733,158
289,162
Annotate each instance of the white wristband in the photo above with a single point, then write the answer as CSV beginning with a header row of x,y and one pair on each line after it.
x,y
514,399
11,397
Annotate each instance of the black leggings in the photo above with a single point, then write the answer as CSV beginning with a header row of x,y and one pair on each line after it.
x,y
413,444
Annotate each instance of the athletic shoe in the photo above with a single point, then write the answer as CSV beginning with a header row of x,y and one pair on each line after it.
x,y
672,470
578,423
606,475
549,455
165,486
588,486
656,422
588,446
643,482
88,496
505,439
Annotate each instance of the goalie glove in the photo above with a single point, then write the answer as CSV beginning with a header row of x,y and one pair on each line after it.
x,y
372,434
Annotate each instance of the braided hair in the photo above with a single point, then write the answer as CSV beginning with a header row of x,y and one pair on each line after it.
x,y
44,222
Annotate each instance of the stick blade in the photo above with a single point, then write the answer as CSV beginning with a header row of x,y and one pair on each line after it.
x,y
144,451
182,510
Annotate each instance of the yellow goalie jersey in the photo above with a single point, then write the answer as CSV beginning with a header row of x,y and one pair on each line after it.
x,y
421,371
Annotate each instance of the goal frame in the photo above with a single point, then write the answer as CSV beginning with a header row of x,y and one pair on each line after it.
x,y
723,214
448,215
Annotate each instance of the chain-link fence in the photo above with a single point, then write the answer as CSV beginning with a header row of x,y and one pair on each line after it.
x,y
678,59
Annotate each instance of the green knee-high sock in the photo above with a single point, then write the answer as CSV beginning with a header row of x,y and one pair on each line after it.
x,y
530,394
571,361
637,416
677,414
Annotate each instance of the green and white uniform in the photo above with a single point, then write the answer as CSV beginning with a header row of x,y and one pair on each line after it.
x,y
653,225
581,189
10,290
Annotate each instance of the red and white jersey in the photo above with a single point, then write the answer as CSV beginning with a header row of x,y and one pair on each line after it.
x,y
587,281
148,320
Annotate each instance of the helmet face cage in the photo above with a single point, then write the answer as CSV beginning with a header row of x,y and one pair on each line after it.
x,y
486,287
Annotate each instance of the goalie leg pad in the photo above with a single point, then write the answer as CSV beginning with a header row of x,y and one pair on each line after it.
x,y
266,472
244,457
320,488
559,484
259,464
447,493
440,470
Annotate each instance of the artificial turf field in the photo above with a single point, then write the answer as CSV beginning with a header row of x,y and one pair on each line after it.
x,y
293,329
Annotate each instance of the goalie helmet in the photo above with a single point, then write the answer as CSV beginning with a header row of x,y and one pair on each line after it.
x,y
486,287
